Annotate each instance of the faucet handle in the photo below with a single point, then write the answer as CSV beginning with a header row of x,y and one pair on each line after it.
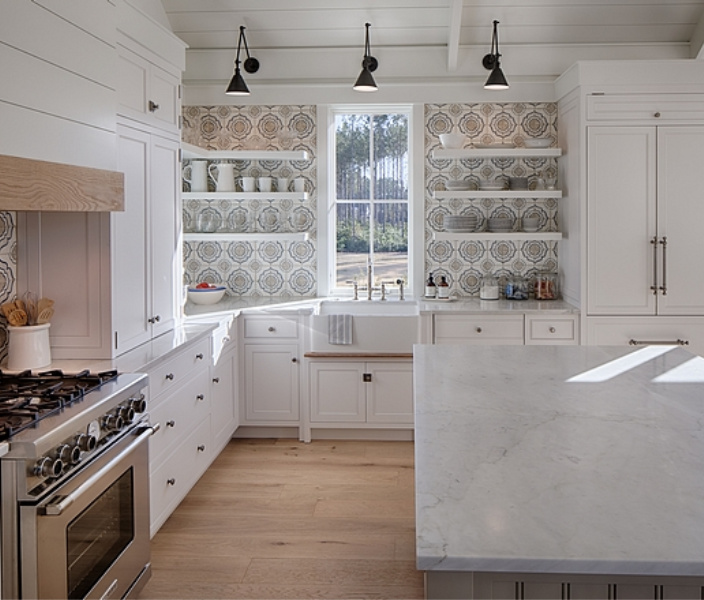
x,y
355,286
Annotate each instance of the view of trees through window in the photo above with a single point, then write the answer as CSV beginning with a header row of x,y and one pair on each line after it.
x,y
371,163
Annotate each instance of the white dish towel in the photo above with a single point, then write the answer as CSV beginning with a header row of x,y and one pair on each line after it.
x,y
339,329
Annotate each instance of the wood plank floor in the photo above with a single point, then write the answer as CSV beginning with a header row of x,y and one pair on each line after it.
x,y
282,519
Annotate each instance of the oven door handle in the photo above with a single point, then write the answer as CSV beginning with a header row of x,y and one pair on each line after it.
x,y
59,507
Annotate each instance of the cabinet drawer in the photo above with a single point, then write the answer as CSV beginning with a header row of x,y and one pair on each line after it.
x,y
170,481
472,329
177,414
171,374
552,330
270,327
619,331
658,108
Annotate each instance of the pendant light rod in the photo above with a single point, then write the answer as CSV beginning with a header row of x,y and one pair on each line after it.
x,y
491,62
237,86
365,82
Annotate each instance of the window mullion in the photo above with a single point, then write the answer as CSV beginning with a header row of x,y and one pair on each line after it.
x,y
372,180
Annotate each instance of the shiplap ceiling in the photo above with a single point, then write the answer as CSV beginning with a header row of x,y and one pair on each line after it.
x,y
427,40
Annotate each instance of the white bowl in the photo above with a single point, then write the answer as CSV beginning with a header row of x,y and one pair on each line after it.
x,y
538,143
452,140
206,295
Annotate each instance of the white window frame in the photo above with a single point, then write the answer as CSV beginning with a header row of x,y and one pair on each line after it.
x,y
327,181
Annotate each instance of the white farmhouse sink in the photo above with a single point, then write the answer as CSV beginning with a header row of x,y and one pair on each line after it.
x,y
373,308
377,327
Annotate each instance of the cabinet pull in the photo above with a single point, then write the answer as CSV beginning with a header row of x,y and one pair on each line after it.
x,y
272,329
201,448
171,423
657,115
663,287
171,481
200,397
654,287
169,376
153,106
478,330
216,380
551,330
199,356
294,359
677,342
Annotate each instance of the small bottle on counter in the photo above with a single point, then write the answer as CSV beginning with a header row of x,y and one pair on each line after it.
x,y
443,288
431,290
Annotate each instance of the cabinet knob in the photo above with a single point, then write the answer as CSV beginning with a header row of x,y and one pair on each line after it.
x,y
551,330
153,106
157,318
216,380
294,359
272,329
201,448
657,115
171,423
199,356
478,329
170,376
171,481
200,397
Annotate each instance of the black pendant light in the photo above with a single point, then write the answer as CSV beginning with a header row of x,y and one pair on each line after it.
x,y
237,86
491,62
365,82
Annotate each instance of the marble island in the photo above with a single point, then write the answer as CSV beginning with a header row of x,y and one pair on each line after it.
x,y
559,472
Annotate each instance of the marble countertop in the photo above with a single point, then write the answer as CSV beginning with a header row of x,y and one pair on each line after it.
x,y
559,459
475,305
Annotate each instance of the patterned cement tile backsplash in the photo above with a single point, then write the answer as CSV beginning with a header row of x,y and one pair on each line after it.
x,y
8,270
284,267
464,263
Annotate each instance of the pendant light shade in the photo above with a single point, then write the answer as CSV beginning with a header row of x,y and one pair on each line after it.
x,y
237,86
491,62
365,82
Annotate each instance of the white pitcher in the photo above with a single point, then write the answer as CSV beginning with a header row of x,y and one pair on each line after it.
x,y
225,178
196,174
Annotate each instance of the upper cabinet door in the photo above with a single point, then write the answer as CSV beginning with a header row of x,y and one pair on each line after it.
x,y
621,220
680,220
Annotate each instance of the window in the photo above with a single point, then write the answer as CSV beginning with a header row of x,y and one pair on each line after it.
x,y
369,196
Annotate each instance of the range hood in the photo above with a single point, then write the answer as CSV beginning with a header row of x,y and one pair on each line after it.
x,y
35,185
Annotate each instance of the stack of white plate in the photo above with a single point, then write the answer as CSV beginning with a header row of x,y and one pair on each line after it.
x,y
538,143
460,223
457,185
501,224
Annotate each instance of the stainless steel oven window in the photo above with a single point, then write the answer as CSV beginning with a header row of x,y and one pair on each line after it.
x,y
97,536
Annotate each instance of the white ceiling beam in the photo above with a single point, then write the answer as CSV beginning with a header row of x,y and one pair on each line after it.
x,y
453,34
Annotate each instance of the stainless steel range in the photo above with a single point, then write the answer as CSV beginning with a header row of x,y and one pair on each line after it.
x,y
74,482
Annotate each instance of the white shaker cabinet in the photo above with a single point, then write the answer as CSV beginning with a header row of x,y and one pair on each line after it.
x,y
373,392
644,216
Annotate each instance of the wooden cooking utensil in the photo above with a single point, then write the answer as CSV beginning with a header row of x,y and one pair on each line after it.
x,y
45,315
17,317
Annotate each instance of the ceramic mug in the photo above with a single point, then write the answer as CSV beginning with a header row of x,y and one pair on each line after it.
x,y
282,184
224,177
247,184
265,184
299,184
196,174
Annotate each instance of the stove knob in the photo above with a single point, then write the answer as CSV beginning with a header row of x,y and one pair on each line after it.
x,y
127,414
139,404
48,467
113,423
69,454
85,442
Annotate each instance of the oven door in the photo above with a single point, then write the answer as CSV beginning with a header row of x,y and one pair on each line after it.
x,y
90,538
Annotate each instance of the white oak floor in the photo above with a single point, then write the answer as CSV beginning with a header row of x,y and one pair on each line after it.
x,y
282,519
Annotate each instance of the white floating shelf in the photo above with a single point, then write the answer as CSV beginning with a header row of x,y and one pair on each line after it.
x,y
190,151
244,195
498,153
544,236
444,194
246,237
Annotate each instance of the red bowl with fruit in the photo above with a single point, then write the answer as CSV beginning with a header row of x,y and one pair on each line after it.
x,y
206,293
